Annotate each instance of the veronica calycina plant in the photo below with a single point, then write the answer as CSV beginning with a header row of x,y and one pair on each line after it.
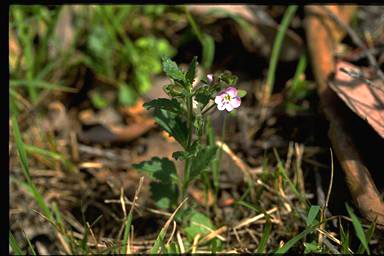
x,y
184,116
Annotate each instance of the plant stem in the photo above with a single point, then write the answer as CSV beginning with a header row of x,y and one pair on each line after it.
x,y
288,15
216,170
187,164
209,108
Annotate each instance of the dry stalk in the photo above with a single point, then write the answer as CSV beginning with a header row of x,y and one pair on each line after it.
x,y
253,219
173,232
180,242
215,233
195,242
325,206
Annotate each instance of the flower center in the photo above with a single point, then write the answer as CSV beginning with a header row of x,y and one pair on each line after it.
x,y
227,98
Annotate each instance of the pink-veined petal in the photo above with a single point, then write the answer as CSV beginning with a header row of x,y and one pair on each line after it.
x,y
235,102
221,106
228,107
218,99
232,91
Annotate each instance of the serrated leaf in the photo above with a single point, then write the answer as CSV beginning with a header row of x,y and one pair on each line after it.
x,y
180,155
190,75
163,103
164,195
174,90
202,160
172,124
164,186
172,70
160,169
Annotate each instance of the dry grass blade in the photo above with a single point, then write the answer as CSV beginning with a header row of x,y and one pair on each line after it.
x,y
195,243
240,163
161,235
253,219
180,242
215,233
323,209
126,201
173,232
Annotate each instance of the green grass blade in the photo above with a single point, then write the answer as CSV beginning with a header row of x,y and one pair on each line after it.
x,y
370,233
40,84
299,70
358,228
29,244
24,162
344,240
294,240
288,15
159,242
249,206
15,247
313,211
264,238
283,172
126,233
49,154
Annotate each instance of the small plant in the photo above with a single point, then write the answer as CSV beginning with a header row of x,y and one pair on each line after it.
x,y
184,117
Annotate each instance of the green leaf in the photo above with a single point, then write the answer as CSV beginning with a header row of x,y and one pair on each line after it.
x,y
172,124
202,160
241,93
97,100
172,70
160,169
163,188
127,96
142,81
312,247
197,224
358,228
313,211
180,155
190,76
163,103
